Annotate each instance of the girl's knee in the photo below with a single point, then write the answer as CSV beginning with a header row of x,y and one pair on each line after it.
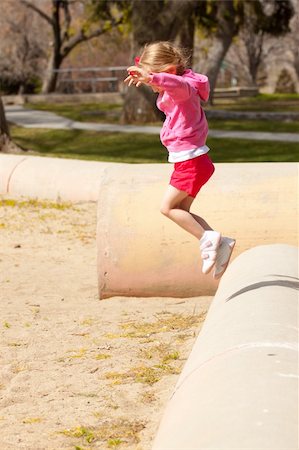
x,y
165,210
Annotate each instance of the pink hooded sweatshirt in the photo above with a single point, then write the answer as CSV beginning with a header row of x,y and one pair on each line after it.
x,y
185,126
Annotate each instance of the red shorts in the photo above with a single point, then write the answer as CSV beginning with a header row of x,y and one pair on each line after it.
x,y
189,176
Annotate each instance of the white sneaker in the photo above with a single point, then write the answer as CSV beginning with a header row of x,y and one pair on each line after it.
x,y
209,244
223,256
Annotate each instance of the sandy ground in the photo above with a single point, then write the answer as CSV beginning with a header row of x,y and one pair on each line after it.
x,y
76,372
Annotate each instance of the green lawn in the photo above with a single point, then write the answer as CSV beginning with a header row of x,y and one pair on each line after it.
x,y
261,102
254,125
103,112
142,148
91,112
91,145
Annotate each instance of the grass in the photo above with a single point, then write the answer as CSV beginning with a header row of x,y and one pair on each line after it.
x,y
245,150
91,112
81,353
112,433
164,358
261,102
172,322
272,126
110,113
101,356
33,203
143,374
106,112
80,432
143,148
163,351
276,97
31,420
91,145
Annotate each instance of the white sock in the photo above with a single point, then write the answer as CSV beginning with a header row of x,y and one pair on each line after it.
x,y
209,244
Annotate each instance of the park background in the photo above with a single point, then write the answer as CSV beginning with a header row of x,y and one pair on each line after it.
x,y
77,373
249,49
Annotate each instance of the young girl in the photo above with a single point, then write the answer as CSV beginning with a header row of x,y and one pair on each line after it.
x,y
162,66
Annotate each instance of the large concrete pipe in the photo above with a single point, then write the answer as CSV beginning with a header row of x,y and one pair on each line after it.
x,y
141,253
51,178
239,387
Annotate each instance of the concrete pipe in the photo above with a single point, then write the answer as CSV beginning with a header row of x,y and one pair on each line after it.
x,y
141,253
239,387
51,178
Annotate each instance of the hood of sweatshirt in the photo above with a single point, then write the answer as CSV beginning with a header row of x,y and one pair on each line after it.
x,y
199,82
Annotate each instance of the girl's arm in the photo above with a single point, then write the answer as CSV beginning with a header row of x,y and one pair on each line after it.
x,y
175,85
178,88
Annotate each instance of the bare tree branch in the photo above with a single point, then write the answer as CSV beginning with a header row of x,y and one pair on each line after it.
x,y
81,36
38,11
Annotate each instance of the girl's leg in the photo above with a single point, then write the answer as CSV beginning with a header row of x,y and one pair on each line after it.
x,y
171,208
210,240
186,205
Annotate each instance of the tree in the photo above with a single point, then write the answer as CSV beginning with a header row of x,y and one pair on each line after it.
x,y
22,48
258,24
224,19
296,56
175,20
295,40
6,144
65,36
253,39
156,20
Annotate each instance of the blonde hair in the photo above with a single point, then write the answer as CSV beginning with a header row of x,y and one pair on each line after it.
x,y
159,56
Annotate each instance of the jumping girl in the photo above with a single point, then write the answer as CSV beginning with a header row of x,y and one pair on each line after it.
x,y
163,67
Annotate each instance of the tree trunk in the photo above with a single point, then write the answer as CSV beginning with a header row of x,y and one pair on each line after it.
x,y
216,57
255,51
296,54
50,80
186,32
3,123
55,60
155,21
4,131
227,28
6,144
139,105
253,39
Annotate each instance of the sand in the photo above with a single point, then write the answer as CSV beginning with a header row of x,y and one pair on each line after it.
x,y
77,372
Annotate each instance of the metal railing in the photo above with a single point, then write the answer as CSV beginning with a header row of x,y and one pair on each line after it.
x,y
107,79
92,81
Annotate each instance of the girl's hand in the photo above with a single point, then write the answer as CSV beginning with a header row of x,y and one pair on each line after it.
x,y
137,76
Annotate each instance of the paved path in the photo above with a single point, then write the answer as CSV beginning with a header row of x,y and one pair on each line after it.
x,y
42,119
